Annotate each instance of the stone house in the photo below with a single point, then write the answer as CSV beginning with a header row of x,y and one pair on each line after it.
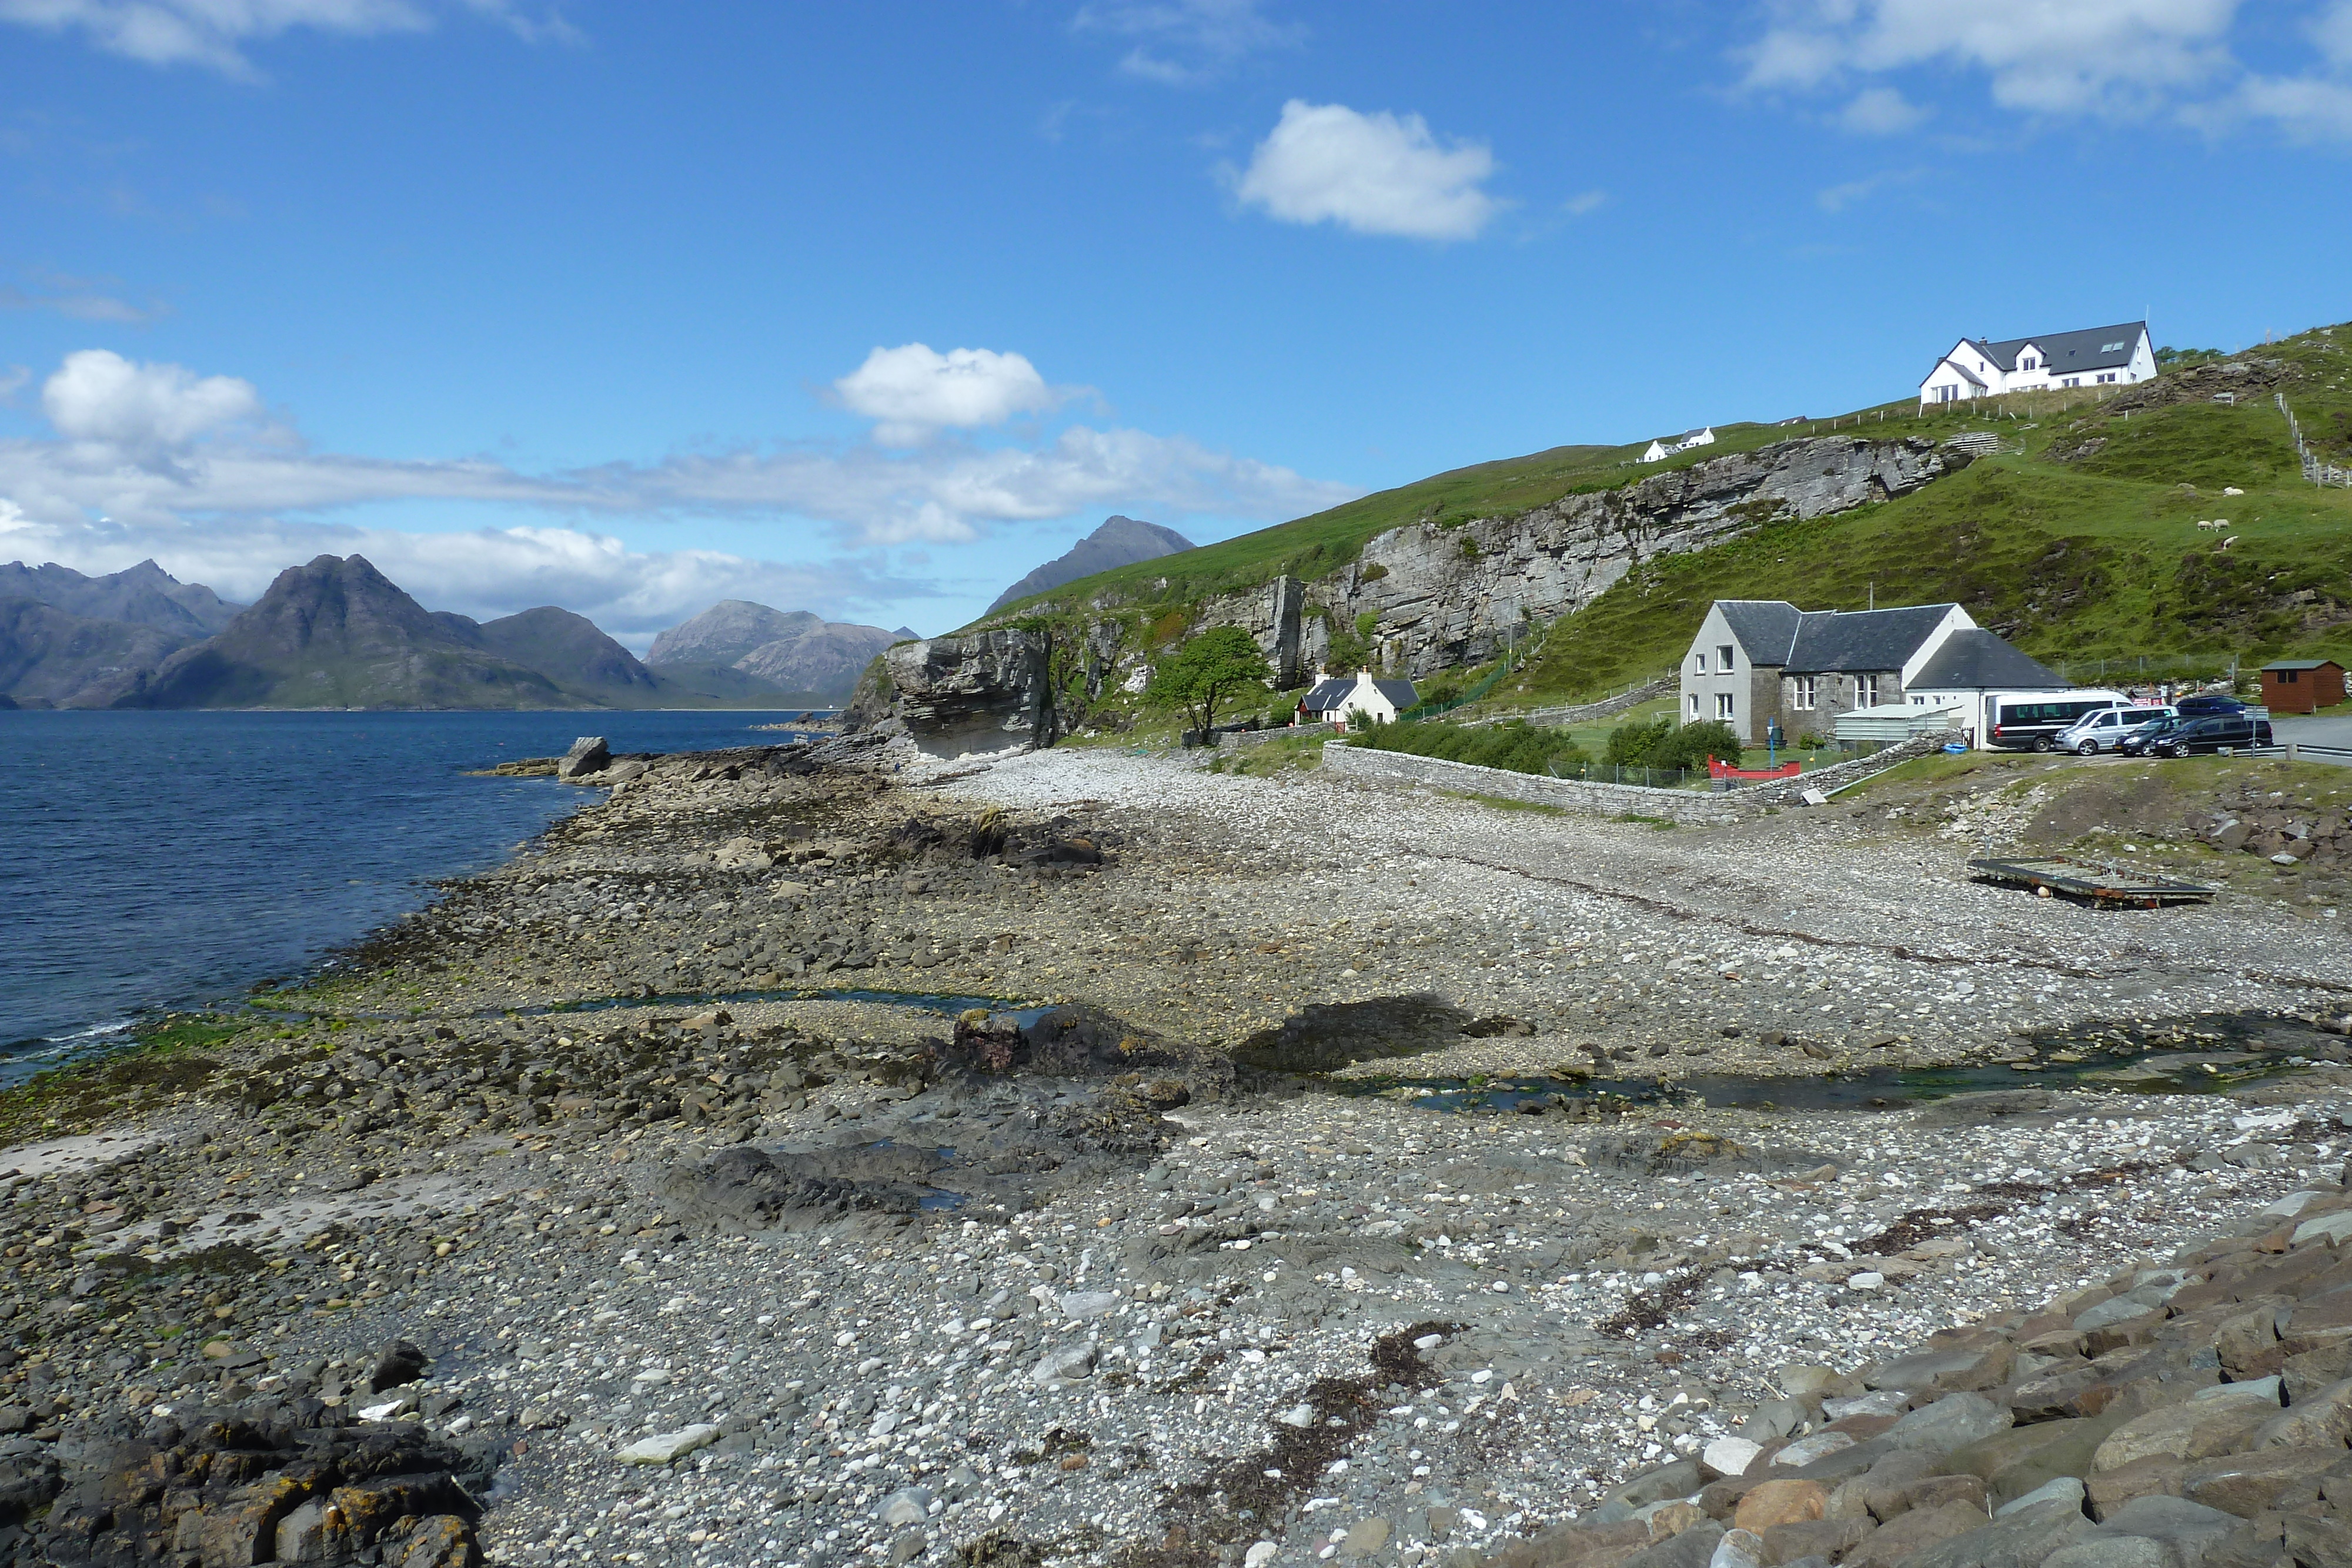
x,y
1759,662
2093,356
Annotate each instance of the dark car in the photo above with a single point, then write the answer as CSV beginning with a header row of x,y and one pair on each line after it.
x,y
2207,703
2191,734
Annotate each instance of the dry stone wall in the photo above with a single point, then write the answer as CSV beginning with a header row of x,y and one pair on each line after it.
x,y
1399,769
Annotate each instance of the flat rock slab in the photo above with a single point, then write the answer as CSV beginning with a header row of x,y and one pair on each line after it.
x,y
665,1448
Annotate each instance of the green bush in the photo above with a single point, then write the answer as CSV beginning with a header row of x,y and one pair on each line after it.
x,y
1665,744
1518,745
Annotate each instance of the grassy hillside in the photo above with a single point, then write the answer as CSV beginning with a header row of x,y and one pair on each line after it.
x,y
2078,540
2082,546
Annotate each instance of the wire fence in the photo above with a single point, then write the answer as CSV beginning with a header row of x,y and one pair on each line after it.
x,y
2150,669
2314,468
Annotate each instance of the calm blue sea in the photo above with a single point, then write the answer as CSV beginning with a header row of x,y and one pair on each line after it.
x,y
170,860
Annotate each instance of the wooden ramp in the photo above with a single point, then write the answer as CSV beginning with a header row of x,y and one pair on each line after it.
x,y
2064,878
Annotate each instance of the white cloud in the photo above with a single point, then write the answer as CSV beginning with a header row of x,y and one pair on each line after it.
x,y
915,390
1837,198
485,573
156,446
1590,201
1881,112
1375,173
1186,42
2053,57
2332,30
97,395
78,299
213,34
2116,59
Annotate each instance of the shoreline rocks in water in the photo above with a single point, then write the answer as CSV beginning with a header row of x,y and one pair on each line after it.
x,y
1087,1271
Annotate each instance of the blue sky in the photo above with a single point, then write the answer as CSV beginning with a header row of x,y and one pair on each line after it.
x,y
867,309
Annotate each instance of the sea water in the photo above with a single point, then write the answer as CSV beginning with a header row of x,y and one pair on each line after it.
x,y
151,861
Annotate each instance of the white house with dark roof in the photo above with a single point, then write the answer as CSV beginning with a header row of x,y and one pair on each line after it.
x,y
2093,356
1340,698
1756,663
1662,449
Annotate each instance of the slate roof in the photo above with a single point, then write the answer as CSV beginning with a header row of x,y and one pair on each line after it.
x,y
1328,695
1976,658
2070,353
1830,640
1767,628
1398,692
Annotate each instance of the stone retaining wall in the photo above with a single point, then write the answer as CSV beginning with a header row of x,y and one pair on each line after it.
x,y
1399,769
1402,769
1585,712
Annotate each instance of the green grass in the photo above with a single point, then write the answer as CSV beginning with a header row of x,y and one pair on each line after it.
x,y
2080,547
2098,558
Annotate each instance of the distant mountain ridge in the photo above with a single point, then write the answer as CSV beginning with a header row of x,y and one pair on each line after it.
x,y
67,639
1120,541
794,650
143,595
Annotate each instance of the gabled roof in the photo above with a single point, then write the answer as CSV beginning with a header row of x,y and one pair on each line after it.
x,y
2070,353
1766,628
1398,692
2300,664
1328,695
1973,378
1831,639
1975,658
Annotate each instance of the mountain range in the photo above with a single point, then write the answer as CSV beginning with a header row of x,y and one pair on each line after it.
x,y
335,632
1120,541
784,648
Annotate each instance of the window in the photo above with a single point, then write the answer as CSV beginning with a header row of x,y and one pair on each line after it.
x,y
1723,705
1725,659
1694,707
2290,677
1702,662
1804,693
1866,691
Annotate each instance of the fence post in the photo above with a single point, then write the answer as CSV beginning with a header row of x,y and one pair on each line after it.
x,y
2293,751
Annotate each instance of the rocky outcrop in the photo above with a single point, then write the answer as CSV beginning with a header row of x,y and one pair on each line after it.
x,y
980,692
1441,595
2191,1412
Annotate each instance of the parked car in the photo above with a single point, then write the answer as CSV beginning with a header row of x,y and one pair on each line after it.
x,y
2191,734
2105,730
2209,702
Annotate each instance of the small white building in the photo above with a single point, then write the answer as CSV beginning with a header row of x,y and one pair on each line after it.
x,y
1338,699
2095,356
1662,449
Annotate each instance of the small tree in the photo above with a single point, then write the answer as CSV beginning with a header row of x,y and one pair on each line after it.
x,y
1210,670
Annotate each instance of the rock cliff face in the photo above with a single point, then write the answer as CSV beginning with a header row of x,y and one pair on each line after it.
x,y
980,692
1442,597
1433,596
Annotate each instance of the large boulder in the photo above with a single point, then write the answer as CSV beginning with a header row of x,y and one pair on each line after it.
x,y
983,692
589,754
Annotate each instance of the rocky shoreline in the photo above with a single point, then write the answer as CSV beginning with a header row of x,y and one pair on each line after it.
x,y
817,1153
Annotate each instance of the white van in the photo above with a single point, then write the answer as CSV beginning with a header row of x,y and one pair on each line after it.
x,y
2106,729
2030,721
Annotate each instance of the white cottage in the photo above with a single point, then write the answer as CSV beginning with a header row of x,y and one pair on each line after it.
x,y
1662,449
2095,356
1342,697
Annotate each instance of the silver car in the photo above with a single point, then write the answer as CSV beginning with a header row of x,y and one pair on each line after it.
x,y
2105,729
